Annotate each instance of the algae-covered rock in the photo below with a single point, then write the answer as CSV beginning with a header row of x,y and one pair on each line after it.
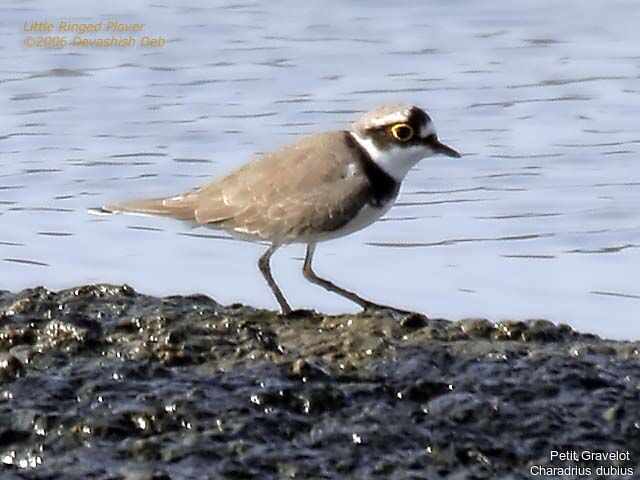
x,y
102,382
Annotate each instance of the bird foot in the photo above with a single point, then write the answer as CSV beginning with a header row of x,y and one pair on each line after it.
x,y
371,307
293,314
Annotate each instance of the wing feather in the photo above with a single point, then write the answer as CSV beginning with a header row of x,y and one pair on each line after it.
x,y
306,187
301,189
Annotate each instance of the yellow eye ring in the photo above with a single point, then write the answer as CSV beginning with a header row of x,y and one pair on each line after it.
x,y
403,132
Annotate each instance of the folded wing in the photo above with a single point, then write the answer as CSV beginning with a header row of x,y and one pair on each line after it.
x,y
307,187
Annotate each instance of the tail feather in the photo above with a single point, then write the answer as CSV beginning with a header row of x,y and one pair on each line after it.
x,y
174,207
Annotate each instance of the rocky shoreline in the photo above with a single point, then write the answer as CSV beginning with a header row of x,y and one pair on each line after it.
x,y
102,382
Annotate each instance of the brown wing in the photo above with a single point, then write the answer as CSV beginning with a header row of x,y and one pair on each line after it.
x,y
300,189
303,188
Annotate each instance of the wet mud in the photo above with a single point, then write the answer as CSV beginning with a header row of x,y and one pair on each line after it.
x,y
102,382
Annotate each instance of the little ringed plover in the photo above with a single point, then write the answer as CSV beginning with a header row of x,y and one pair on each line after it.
x,y
320,187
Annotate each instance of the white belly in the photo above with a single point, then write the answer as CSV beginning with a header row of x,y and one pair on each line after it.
x,y
365,217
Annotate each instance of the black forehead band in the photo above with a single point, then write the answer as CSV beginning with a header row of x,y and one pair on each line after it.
x,y
418,116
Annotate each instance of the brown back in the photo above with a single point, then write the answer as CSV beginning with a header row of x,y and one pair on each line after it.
x,y
304,188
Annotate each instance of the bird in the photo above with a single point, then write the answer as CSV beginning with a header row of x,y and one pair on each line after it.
x,y
321,187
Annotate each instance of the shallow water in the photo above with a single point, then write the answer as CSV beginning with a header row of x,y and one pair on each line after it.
x,y
538,219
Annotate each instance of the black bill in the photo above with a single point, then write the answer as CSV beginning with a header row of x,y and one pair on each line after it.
x,y
439,147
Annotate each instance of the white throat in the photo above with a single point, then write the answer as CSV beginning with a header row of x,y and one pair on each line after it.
x,y
396,161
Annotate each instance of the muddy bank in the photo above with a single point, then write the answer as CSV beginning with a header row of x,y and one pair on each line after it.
x,y
102,382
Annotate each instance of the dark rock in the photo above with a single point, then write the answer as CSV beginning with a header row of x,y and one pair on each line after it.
x,y
477,327
10,368
103,382
414,321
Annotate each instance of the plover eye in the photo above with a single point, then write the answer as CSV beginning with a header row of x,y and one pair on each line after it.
x,y
403,132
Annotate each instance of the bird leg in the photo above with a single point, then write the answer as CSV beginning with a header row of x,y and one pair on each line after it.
x,y
310,275
265,269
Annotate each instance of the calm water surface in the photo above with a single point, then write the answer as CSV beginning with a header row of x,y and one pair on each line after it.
x,y
538,219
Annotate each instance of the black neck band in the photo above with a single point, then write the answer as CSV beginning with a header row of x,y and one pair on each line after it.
x,y
383,186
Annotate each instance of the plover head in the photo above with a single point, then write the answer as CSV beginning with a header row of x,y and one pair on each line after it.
x,y
397,137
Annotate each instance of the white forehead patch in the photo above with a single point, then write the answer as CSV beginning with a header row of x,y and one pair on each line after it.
x,y
427,129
